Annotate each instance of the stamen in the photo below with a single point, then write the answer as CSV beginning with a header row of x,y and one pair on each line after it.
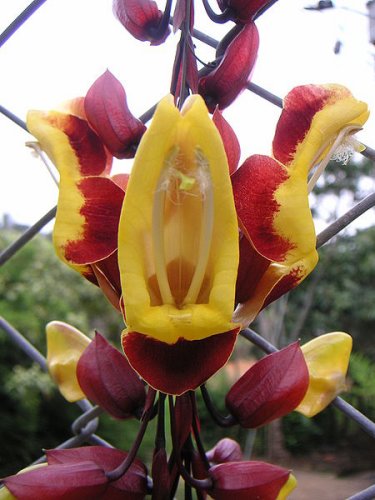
x,y
158,236
331,154
207,223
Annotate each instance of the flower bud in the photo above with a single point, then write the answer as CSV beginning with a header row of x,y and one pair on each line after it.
x,y
226,450
270,389
107,379
108,114
244,480
225,82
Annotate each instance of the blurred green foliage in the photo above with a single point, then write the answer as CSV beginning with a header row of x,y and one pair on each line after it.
x,y
36,288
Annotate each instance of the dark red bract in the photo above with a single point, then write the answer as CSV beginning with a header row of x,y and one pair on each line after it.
x,y
271,388
108,114
225,82
142,19
108,380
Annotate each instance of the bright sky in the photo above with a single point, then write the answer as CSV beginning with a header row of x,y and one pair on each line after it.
x,y
66,45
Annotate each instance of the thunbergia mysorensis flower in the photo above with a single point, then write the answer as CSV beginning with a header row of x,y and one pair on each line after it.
x,y
277,244
178,251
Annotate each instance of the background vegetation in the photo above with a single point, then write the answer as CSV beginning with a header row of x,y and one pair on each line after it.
x,y
36,288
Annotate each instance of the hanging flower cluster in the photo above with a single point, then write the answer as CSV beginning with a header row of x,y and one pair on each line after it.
x,y
189,248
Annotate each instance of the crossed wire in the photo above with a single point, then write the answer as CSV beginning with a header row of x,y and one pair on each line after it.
x,y
85,426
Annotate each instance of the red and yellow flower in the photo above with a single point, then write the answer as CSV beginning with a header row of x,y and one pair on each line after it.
x,y
189,254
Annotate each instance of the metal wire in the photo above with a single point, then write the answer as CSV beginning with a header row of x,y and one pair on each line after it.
x,y
84,427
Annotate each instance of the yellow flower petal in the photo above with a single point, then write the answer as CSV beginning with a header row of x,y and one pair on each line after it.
x,y
65,345
327,358
178,234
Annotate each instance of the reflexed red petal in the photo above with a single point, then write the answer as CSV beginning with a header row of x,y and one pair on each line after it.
x,y
299,108
242,10
141,18
251,268
132,485
73,481
271,388
106,378
108,114
256,204
101,211
247,480
224,83
180,367
109,268
230,141
226,450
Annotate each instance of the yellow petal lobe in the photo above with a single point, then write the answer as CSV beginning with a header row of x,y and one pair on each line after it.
x,y
65,345
327,358
178,233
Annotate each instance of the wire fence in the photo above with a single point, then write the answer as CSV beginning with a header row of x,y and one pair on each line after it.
x,y
85,426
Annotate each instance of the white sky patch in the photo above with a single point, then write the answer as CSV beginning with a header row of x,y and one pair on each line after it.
x,y
65,46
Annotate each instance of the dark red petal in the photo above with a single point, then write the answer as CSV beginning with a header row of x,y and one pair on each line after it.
x,y
226,450
230,141
101,211
108,114
247,480
256,219
87,147
134,482
270,389
251,268
299,108
141,18
223,84
180,367
106,377
76,481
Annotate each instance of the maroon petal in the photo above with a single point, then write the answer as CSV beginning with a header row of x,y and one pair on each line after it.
x,y
223,84
134,482
142,19
76,481
226,450
180,367
247,480
101,214
107,379
271,388
230,141
251,268
108,114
